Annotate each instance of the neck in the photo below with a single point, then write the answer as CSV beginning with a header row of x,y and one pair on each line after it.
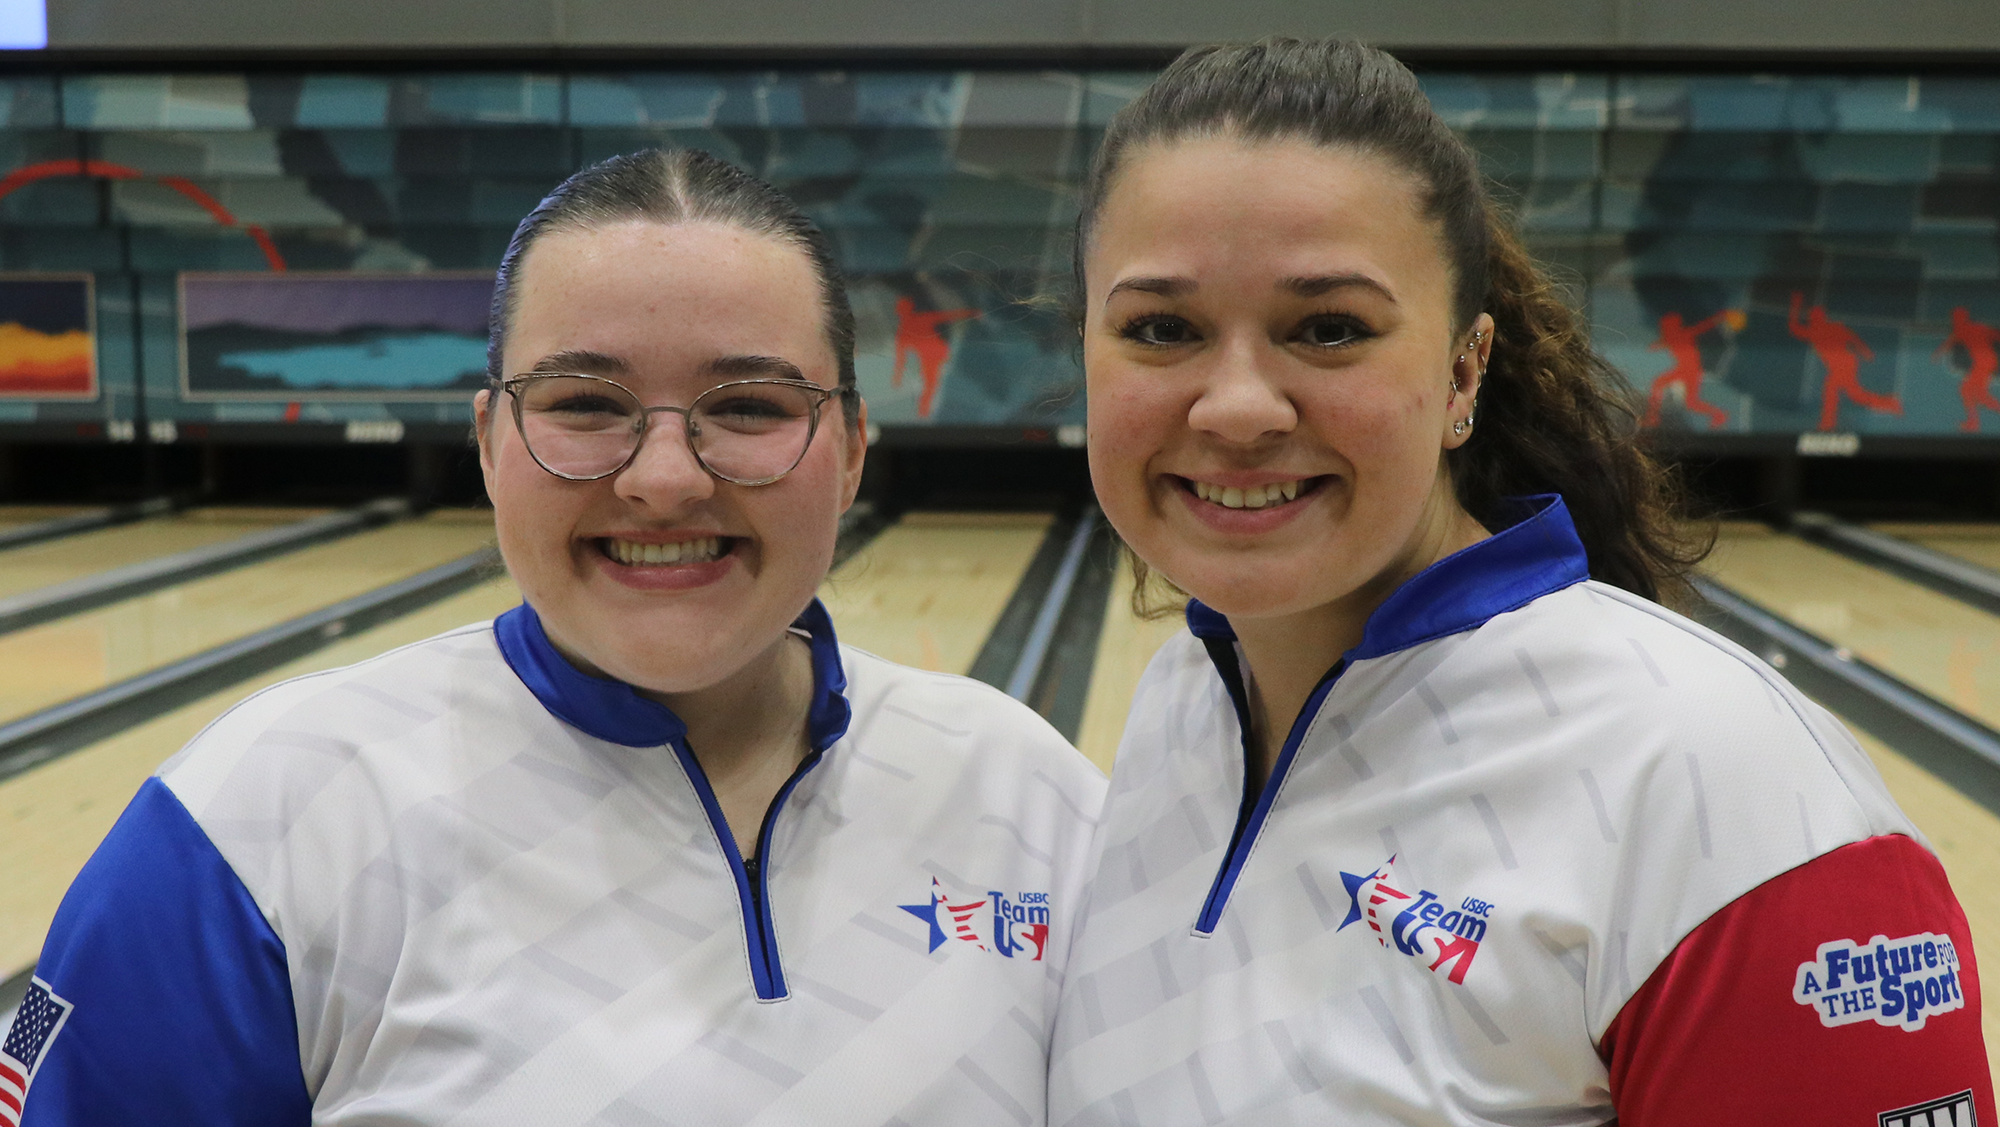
x,y
1286,656
747,731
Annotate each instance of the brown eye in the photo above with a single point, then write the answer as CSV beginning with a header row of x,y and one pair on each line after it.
x,y
1158,331
1331,332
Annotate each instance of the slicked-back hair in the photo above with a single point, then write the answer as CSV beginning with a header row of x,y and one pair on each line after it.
x,y
1553,416
675,186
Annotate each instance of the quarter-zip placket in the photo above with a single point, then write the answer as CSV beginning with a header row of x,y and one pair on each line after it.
x,y
760,934
1255,806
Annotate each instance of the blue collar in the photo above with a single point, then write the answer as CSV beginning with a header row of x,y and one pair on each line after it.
x,y
615,711
1538,554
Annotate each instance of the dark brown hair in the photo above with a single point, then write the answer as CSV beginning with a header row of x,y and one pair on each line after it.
x,y
675,186
1554,416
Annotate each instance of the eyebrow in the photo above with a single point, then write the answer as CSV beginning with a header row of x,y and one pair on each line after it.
x,y
1310,285
1316,284
753,367
583,361
1164,287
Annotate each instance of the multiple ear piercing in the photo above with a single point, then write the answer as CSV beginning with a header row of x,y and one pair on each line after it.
x,y
1465,424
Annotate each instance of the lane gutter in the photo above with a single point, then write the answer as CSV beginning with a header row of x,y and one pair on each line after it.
x,y
43,604
1947,575
74,724
1955,747
57,527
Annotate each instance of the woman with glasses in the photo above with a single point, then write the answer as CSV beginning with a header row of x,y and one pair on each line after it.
x,y
651,848
1434,815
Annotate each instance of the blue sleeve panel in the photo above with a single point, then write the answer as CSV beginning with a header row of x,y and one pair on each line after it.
x,y
183,1006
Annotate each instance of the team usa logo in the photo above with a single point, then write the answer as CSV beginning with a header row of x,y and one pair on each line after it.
x,y
1010,926
1898,982
1400,918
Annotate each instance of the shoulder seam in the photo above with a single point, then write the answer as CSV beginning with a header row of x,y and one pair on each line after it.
x,y
1769,677
160,772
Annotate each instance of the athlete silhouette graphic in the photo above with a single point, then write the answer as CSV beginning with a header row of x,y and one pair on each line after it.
x,y
918,333
1836,345
1678,337
1979,341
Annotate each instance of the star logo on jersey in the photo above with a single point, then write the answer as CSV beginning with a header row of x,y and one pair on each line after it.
x,y
1011,926
1396,917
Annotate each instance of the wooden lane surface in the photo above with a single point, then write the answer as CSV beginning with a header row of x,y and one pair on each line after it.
x,y
1124,646
928,590
1966,836
89,553
52,817
52,662
1973,543
15,516
1932,641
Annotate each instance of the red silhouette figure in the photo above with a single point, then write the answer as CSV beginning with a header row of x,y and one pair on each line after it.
x,y
1979,341
1836,345
918,333
1678,337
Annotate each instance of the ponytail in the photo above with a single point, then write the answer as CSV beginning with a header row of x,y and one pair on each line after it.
x,y
1554,417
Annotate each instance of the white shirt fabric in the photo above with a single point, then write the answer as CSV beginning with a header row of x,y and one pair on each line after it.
x,y
1554,779
504,895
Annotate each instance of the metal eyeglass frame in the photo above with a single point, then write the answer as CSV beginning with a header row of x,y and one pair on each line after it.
x,y
513,384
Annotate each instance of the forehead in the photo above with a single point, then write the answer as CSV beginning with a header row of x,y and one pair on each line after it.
x,y
1287,207
665,294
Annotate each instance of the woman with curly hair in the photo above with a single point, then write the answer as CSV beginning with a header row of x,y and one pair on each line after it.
x,y
1435,814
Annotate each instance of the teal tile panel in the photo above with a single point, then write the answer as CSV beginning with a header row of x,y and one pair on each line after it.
x,y
156,101
476,99
342,101
28,102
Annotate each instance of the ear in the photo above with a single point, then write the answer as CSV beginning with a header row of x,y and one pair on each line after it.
x,y
856,437
1472,351
482,424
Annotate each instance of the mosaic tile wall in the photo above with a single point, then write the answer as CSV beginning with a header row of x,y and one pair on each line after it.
x,y
1685,211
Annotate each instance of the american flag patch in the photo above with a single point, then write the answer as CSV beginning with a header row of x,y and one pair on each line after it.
x,y
35,1028
1951,1111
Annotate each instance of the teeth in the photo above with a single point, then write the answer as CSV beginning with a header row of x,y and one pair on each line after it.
x,y
1253,497
635,554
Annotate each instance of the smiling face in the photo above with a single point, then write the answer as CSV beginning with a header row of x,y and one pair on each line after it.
x,y
660,575
1271,362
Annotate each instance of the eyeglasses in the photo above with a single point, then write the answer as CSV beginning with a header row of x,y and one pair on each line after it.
x,y
750,432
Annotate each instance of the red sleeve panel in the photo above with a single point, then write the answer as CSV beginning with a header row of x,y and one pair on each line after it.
x,y
1839,994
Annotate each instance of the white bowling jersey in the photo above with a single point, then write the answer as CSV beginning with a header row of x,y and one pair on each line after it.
x,y
1495,820
464,883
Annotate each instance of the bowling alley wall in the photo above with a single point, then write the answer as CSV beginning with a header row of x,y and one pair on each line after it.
x,y
303,256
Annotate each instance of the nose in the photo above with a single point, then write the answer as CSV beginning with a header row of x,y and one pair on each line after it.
x,y
664,475
1241,398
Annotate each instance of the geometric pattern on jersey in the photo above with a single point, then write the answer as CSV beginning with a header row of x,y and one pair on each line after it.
x,y
491,914
1517,795
35,1025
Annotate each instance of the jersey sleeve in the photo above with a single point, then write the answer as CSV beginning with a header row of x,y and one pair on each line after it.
x,y
162,996
1841,992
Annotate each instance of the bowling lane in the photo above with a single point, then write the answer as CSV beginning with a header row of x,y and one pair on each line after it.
x,y
89,553
1932,641
55,661
1973,543
1124,646
15,516
1966,836
928,590
57,813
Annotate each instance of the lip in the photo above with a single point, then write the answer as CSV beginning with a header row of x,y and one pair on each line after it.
x,y
1247,522
663,577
